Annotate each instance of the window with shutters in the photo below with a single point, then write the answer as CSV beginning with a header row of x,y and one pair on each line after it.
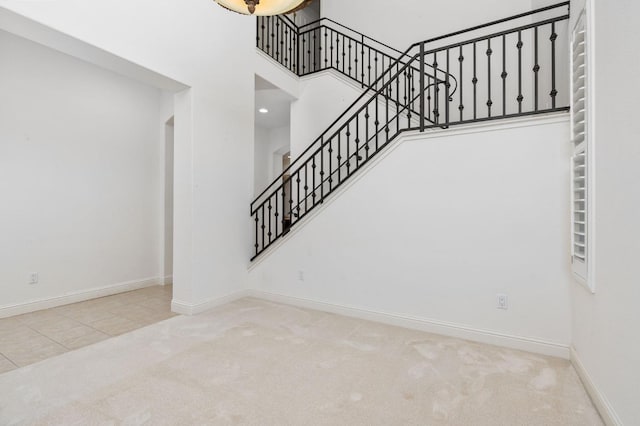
x,y
581,142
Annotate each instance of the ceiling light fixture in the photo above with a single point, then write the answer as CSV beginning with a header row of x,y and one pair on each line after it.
x,y
264,7
263,111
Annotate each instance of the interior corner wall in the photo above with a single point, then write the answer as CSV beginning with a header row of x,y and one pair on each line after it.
x,y
415,20
81,175
605,323
440,226
211,53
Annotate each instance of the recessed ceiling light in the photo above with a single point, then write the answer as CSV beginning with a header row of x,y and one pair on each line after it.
x,y
263,111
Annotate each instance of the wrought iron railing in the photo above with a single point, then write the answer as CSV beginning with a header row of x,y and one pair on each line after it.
x,y
326,44
507,68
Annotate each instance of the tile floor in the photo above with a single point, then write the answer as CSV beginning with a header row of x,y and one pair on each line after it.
x,y
29,338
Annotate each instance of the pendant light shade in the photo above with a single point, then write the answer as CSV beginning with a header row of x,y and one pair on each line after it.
x,y
263,7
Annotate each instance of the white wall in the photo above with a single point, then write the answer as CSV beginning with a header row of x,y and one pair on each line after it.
x,y
213,125
81,175
440,226
323,98
417,19
270,145
605,324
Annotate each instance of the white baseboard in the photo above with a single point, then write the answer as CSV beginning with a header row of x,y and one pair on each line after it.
x,y
184,308
605,409
168,279
77,296
424,324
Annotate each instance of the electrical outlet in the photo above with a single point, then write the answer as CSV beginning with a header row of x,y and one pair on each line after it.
x,y
503,301
33,278
300,275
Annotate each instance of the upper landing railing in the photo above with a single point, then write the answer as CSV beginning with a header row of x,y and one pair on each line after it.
x,y
512,67
326,44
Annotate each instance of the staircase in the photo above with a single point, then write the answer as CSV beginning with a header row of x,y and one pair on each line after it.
x,y
512,67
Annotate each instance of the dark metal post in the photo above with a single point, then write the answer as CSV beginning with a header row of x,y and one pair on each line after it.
x,y
422,112
298,54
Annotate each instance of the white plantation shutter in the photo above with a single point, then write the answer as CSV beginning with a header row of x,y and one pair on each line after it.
x,y
580,139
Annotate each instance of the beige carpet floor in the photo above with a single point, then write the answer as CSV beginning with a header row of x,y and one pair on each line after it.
x,y
260,363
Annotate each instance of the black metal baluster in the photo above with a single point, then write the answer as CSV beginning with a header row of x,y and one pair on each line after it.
x,y
422,88
309,60
398,97
296,50
303,47
536,68
344,55
369,67
504,75
520,97
258,32
313,51
291,50
357,141
277,38
322,170
284,207
330,151
339,157
326,50
366,118
273,36
350,59
362,61
298,193
306,187
447,84
275,195
475,83
331,49
285,46
377,122
554,91
436,90
257,233
290,200
460,85
386,120
269,214
412,92
337,51
313,178
375,60
429,110
348,151
407,91
489,53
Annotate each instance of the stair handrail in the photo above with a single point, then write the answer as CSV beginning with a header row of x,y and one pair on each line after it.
x,y
398,61
397,114
393,123
336,121
363,37
318,22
